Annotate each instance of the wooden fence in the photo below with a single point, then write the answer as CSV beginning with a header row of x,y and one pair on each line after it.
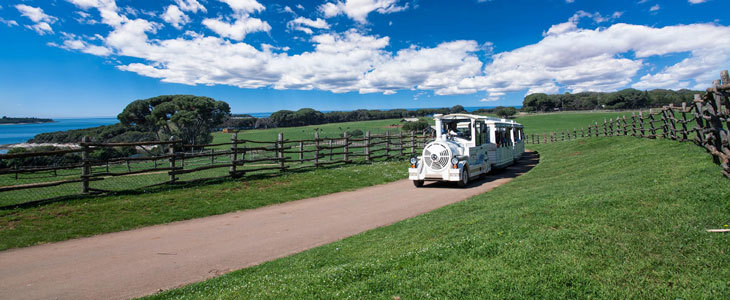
x,y
705,122
163,163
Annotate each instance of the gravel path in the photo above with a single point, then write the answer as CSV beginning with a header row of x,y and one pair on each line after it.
x,y
144,261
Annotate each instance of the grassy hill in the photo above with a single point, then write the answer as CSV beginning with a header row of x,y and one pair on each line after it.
x,y
603,217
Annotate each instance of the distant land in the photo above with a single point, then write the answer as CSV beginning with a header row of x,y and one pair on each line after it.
x,y
10,120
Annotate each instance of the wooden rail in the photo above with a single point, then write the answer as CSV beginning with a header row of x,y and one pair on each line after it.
x,y
176,162
705,122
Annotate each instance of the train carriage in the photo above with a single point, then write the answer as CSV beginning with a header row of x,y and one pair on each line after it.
x,y
467,146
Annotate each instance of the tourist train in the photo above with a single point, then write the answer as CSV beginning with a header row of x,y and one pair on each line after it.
x,y
467,146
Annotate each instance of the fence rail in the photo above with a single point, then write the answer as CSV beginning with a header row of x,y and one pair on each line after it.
x,y
164,163
705,122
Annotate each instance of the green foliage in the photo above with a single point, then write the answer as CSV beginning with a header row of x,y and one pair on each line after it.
x,y
10,120
597,218
109,133
185,117
354,133
39,161
624,99
505,112
417,126
457,109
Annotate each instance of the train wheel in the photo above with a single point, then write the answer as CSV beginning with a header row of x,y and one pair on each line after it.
x,y
464,178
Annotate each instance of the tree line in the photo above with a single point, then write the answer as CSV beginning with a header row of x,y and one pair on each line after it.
x,y
308,116
623,99
11,120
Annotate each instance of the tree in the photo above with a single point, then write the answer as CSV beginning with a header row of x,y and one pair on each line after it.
x,y
265,123
505,112
457,109
417,126
186,117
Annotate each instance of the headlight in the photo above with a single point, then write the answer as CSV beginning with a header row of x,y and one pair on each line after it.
x,y
454,161
413,160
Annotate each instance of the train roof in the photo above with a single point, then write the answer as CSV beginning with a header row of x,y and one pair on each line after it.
x,y
496,121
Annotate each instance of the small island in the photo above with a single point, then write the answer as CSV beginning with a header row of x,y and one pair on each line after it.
x,y
8,120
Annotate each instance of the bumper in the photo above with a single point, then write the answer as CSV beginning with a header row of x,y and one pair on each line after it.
x,y
447,174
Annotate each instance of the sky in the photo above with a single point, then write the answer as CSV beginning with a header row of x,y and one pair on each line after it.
x,y
87,58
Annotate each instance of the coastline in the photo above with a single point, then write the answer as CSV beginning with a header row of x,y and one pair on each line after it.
x,y
28,123
30,145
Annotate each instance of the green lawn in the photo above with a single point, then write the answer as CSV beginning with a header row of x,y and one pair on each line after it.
x,y
616,217
555,122
333,130
93,215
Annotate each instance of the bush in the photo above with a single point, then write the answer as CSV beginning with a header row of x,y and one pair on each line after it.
x,y
417,126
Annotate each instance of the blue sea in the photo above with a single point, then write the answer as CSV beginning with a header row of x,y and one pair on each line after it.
x,y
20,133
467,108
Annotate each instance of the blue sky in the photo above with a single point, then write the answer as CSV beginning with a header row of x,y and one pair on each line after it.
x,y
80,58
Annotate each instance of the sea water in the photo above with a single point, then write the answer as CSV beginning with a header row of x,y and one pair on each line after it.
x,y
20,133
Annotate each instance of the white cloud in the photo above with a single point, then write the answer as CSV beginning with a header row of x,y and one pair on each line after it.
x,y
244,7
697,1
655,7
572,23
300,6
10,23
190,5
358,10
175,17
238,29
243,24
567,58
35,14
107,9
38,17
305,25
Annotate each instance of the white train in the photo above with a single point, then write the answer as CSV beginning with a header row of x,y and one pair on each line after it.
x,y
467,146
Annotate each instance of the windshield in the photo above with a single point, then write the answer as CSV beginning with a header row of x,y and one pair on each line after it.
x,y
457,129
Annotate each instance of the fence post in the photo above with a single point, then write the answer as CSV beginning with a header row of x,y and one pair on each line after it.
x,y
595,132
684,121
234,154
129,169
651,123
367,146
605,127
575,133
699,119
86,165
212,156
171,151
301,152
400,141
347,147
562,132
280,153
387,145
544,136
626,125
413,143
329,144
665,128
316,149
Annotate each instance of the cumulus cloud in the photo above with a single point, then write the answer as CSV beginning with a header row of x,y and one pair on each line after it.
x,y
243,24
567,58
107,9
358,10
10,23
305,25
175,17
40,19
190,5
596,60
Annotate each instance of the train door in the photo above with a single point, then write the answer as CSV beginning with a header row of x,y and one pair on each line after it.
x,y
478,155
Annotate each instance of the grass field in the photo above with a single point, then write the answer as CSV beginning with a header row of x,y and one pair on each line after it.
x,y
93,215
554,122
333,130
616,217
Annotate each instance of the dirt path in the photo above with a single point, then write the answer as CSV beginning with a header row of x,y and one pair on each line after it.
x,y
143,261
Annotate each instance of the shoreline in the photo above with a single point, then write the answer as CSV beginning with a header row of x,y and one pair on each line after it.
x,y
28,123
31,145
